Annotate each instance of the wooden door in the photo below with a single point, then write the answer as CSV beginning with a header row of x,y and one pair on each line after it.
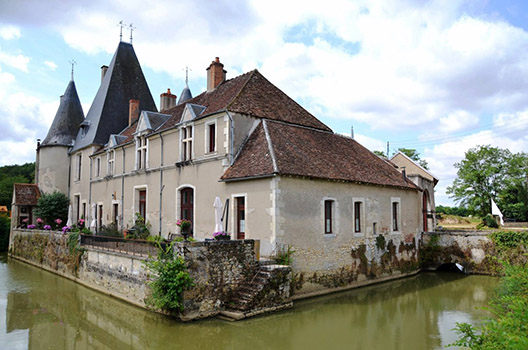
x,y
240,218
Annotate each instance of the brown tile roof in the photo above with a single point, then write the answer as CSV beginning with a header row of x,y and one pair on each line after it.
x,y
26,194
279,148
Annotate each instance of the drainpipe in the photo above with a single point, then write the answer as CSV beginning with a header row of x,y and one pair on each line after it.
x,y
37,163
90,192
231,138
162,186
123,191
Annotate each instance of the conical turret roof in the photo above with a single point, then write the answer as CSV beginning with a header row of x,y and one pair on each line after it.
x,y
69,116
185,95
123,81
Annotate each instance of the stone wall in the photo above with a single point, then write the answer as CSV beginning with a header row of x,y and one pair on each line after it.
x,y
218,269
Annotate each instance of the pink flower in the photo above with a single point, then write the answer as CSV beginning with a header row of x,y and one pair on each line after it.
x,y
25,220
47,227
39,221
58,221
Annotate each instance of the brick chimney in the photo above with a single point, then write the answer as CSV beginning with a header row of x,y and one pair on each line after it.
x,y
103,72
167,100
133,111
215,74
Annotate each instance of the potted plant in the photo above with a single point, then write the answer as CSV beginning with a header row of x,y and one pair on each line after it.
x,y
221,236
185,227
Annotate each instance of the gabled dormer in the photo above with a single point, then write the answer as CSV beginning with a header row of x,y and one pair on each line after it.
x,y
150,122
115,140
191,112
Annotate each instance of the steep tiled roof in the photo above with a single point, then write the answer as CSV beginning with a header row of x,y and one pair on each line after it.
x,y
279,148
66,123
26,194
124,80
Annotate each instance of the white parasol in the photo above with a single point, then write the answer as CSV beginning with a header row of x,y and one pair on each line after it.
x,y
70,216
93,223
219,226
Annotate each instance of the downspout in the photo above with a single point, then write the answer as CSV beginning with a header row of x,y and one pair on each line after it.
x,y
231,138
90,191
123,191
37,162
162,186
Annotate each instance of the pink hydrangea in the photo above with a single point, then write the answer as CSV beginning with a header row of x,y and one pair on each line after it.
x,y
58,221
39,221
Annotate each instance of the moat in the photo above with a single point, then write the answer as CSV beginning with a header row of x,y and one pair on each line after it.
x,y
39,310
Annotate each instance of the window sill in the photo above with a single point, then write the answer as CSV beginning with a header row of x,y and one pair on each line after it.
x,y
329,235
395,233
359,234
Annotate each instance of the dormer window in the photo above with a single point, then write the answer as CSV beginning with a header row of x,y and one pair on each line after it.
x,y
141,152
98,167
186,143
84,127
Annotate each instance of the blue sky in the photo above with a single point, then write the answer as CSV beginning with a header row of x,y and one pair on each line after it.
x,y
437,76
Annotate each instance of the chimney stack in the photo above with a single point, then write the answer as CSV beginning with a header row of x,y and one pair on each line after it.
x,y
215,74
167,100
133,111
103,72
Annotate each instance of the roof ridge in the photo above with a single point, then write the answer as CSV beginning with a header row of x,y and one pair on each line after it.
x,y
242,88
270,147
301,126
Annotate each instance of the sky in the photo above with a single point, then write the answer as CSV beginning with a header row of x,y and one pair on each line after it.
x,y
437,76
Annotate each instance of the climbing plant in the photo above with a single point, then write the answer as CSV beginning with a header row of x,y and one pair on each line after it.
x,y
170,280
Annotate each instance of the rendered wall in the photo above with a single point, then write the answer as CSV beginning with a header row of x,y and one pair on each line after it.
x,y
53,169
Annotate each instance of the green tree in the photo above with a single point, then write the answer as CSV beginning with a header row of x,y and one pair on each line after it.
x,y
52,206
11,174
489,172
414,155
380,154
5,224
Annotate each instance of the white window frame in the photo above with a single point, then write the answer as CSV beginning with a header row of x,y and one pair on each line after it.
x,y
98,167
208,137
362,221
178,202
186,143
110,158
335,216
119,218
398,218
142,161
233,217
78,166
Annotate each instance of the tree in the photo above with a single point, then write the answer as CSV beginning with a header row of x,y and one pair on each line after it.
x,y
414,155
489,172
52,206
5,226
380,154
11,174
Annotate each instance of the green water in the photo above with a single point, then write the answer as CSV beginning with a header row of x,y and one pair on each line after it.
x,y
39,310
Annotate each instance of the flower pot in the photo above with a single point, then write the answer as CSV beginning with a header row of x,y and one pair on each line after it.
x,y
185,232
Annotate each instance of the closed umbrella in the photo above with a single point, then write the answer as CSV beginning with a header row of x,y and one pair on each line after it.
x,y
93,223
219,226
70,216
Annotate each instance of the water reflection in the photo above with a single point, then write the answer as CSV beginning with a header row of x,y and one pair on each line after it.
x,y
416,313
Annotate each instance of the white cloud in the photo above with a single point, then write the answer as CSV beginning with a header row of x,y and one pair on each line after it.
x,y
16,61
51,65
9,32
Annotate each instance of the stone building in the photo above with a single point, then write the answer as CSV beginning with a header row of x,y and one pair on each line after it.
x,y
285,178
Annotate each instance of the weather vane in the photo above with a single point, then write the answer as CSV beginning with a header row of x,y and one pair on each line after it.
x,y
121,25
131,30
187,69
72,62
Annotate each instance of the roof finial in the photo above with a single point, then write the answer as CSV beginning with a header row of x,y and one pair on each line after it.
x,y
131,30
72,62
187,69
121,25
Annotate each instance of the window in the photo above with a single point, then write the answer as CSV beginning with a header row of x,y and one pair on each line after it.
x,y
111,157
143,204
115,213
187,205
141,152
98,167
78,160
357,217
186,143
211,137
240,211
83,211
77,207
395,215
100,217
328,215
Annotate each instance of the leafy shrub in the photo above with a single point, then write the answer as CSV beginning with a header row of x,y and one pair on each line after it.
x,y
509,328
140,230
170,281
509,239
284,256
380,242
5,226
52,206
155,239
488,221
109,230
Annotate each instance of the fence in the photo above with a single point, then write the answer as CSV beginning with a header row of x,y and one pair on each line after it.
x,y
120,245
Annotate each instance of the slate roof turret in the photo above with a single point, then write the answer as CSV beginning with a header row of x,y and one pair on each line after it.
x,y
66,123
124,80
185,95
